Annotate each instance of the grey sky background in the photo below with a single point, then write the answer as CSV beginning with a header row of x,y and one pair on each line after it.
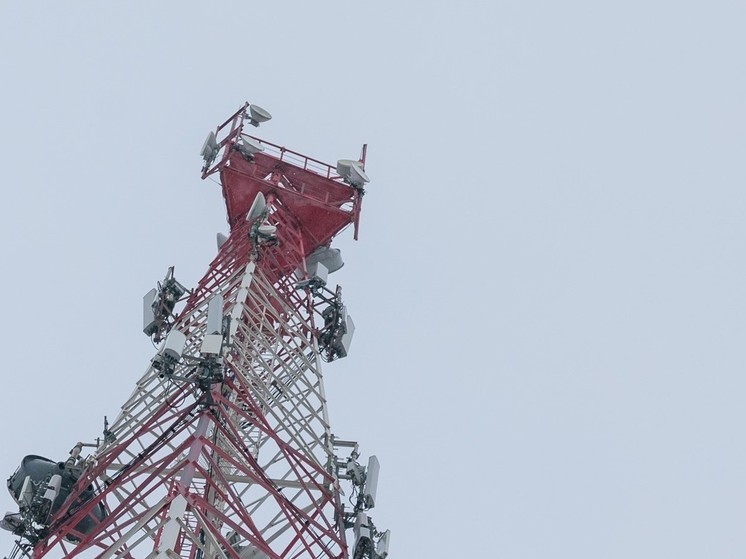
x,y
549,284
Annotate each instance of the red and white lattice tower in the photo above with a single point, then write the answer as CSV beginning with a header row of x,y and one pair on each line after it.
x,y
224,449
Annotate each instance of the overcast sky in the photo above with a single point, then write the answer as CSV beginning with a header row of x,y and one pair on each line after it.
x,y
549,287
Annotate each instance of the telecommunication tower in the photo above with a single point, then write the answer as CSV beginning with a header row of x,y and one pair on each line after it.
x,y
224,448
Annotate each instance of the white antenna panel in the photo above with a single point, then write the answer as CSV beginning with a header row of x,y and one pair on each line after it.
x,y
321,274
331,258
215,314
382,549
257,207
174,344
212,344
148,314
371,481
27,492
210,148
53,488
347,336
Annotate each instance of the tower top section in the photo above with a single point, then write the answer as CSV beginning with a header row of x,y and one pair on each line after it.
x,y
324,199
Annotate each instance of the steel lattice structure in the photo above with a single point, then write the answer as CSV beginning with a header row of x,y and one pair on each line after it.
x,y
224,448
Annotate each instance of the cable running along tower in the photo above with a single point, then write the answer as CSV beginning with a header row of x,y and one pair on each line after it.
x,y
224,448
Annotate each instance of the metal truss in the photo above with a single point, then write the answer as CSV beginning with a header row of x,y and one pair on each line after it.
x,y
228,453
237,468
